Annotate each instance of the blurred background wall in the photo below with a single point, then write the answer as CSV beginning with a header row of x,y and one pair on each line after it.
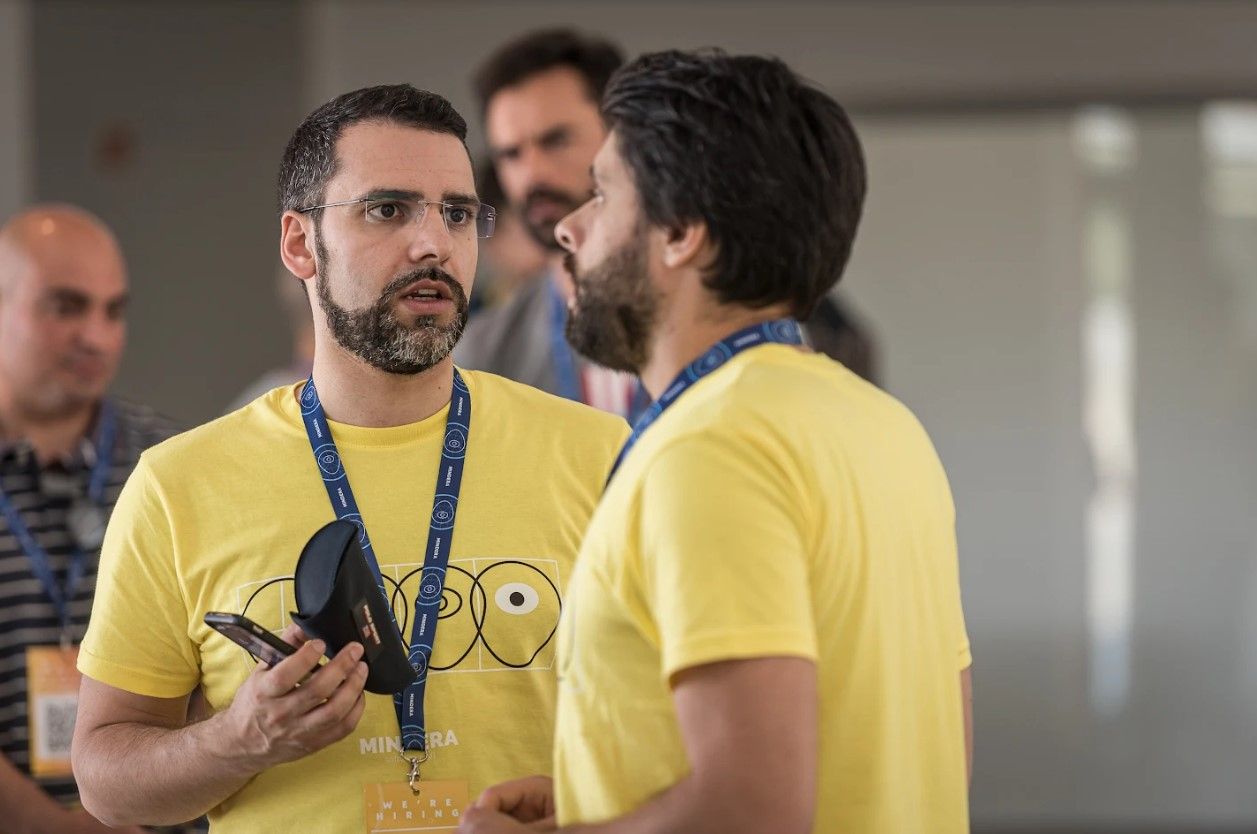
x,y
1059,260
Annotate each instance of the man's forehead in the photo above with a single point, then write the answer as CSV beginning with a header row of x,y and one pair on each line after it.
x,y
378,154
608,163
553,98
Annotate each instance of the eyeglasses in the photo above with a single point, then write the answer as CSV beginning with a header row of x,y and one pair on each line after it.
x,y
461,219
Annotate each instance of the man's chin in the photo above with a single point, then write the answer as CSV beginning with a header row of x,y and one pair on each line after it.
x,y
603,344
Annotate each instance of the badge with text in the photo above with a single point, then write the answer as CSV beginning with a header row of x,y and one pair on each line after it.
x,y
52,699
436,806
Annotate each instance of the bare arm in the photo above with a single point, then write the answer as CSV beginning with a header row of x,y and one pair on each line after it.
x,y
966,698
737,781
137,761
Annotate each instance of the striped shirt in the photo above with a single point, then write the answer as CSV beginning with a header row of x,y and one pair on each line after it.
x,y
27,615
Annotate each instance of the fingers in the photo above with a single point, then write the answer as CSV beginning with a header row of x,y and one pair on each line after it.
x,y
342,708
327,680
286,674
530,799
293,635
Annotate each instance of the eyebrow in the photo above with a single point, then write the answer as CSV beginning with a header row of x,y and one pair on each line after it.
x,y
76,296
457,198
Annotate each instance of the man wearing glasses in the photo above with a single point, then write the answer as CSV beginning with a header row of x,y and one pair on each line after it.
x,y
380,221
65,450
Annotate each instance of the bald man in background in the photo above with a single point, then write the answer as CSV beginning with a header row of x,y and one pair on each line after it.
x,y
65,451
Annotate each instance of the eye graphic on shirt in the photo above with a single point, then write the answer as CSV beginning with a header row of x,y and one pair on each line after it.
x,y
518,609
517,598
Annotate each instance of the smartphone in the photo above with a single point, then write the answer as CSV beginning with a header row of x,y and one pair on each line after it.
x,y
256,640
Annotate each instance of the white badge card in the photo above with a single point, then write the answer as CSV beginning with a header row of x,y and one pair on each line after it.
x,y
52,700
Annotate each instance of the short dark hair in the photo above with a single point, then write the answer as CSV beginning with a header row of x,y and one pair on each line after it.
x,y
769,162
489,187
594,58
310,158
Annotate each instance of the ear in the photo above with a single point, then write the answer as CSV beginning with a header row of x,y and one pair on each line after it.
x,y
684,245
296,244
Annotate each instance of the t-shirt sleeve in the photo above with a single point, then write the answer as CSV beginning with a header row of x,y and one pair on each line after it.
x,y
137,639
724,563
951,586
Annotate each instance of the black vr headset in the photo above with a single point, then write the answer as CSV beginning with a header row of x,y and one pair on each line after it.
x,y
339,602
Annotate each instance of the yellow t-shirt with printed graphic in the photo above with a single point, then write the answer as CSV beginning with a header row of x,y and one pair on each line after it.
x,y
781,507
214,520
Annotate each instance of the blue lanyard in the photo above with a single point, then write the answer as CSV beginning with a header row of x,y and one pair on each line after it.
x,y
560,351
409,702
62,595
777,331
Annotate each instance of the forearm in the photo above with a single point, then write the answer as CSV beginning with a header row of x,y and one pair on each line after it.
x,y
24,805
140,774
691,807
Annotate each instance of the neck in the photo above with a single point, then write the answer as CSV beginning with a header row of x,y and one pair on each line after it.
x,y
358,394
680,340
53,436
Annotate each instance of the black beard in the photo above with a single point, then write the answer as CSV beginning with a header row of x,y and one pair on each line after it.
x,y
615,310
374,334
544,234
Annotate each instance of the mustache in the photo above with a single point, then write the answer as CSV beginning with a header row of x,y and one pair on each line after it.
x,y
428,273
543,192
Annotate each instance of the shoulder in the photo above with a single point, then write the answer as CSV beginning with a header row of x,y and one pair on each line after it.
x,y
143,425
542,411
250,426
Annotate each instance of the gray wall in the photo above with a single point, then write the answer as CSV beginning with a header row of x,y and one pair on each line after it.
x,y
873,55
15,123
209,94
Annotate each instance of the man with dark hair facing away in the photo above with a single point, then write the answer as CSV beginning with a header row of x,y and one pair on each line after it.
x,y
469,492
764,632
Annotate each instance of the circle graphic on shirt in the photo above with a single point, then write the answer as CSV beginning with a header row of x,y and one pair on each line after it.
x,y
517,598
329,462
443,509
455,442
709,361
309,398
494,615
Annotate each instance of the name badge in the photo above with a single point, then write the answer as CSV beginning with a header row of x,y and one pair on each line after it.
x,y
393,806
52,700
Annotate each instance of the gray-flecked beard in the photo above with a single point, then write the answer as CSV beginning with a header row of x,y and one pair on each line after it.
x,y
375,335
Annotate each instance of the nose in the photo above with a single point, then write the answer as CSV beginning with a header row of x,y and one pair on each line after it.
x,y
431,239
101,334
535,167
568,232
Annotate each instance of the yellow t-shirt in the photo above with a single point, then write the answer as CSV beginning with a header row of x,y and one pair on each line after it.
x,y
781,507
214,520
